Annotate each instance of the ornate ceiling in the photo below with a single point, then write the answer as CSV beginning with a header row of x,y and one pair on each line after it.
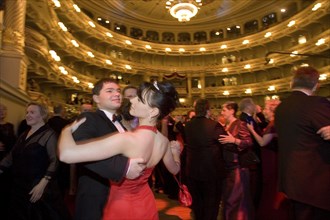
x,y
152,13
44,34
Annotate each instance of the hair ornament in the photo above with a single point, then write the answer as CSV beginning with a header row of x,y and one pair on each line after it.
x,y
155,85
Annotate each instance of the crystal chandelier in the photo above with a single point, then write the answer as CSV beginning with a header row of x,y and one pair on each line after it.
x,y
183,10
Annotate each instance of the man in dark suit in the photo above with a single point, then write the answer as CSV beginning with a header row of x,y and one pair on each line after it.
x,y
204,162
93,177
57,123
304,156
248,110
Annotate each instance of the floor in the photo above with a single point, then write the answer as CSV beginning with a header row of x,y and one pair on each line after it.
x,y
170,209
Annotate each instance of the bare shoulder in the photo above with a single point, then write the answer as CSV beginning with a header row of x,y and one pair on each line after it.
x,y
162,138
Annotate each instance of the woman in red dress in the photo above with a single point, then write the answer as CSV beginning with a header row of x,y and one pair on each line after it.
x,y
132,199
273,204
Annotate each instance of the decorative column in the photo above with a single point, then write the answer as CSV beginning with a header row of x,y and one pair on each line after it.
x,y
189,88
13,64
202,86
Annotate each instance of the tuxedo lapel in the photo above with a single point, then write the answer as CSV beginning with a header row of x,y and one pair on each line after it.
x,y
106,119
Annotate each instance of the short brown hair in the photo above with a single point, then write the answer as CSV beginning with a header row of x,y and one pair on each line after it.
x,y
201,107
99,85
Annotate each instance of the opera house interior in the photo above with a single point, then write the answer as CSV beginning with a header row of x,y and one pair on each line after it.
x,y
53,51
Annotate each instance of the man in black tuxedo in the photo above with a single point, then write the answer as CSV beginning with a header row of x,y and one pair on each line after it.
x,y
204,167
93,177
304,156
248,110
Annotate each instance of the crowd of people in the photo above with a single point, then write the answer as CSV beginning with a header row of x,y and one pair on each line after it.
x,y
246,164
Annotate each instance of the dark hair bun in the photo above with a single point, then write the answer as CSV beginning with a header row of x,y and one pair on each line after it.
x,y
161,95
171,97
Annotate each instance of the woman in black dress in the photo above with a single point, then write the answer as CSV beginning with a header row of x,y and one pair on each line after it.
x,y
33,162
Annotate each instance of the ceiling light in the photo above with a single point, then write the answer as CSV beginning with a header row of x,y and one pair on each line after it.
x,y
317,6
302,39
128,42
109,34
268,34
293,53
108,62
247,66
54,55
63,70
90,85
168,49
202,49
323,77
76,8
199,85
62,26
248,91
283,10
90,54
74,43
76,81
57,3
320,42
271,88
128,67
91,24
181,50
291,23
148,46
182,10
245,42
225,92
223,46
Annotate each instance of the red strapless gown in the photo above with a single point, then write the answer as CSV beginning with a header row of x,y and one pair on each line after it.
x,y
132,199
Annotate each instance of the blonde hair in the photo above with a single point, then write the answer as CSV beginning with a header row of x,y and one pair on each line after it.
x,y
42,108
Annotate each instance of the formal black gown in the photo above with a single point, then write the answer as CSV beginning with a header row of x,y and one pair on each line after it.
x,y
30,160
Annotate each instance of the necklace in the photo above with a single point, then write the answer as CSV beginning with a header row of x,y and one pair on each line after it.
x,y
148,127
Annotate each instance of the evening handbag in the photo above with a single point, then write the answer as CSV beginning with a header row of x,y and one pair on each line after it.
x,y
185,198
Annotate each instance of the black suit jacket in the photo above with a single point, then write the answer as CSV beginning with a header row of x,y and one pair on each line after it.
x,y
255,146
93,177
304,156
203,150
57,123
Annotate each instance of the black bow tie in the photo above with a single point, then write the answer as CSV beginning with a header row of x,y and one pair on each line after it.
x,y
116,118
